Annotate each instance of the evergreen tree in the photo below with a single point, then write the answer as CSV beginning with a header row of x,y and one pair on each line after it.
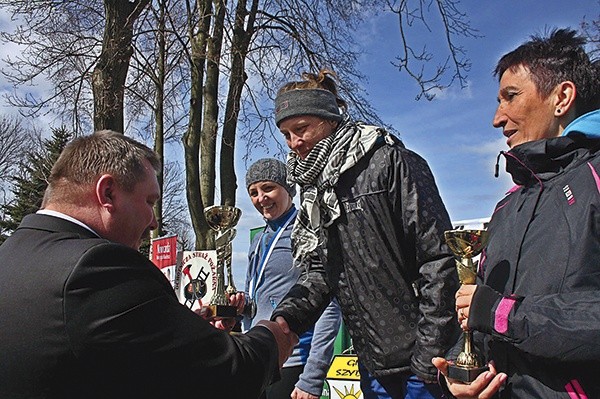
x,y
31,181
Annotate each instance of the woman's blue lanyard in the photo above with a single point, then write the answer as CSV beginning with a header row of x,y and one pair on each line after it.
x,y
265,254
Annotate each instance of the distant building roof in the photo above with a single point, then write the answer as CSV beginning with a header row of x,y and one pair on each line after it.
x,y
467,224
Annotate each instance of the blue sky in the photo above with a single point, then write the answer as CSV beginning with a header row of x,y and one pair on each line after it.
x,y
453,132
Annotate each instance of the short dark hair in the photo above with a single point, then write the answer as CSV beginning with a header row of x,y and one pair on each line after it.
x,y
554,59
86,158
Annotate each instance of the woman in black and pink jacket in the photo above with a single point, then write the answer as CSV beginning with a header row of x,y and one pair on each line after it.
x,y
537,306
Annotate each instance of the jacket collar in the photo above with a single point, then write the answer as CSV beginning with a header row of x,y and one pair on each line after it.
x,y
55,225
541,160
281,220
587,124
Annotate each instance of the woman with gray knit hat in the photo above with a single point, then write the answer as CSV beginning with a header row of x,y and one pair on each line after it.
x,y
369,232
270,276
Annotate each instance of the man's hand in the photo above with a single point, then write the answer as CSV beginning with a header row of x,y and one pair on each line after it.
x,y
283,324
286,340
484,386
225,324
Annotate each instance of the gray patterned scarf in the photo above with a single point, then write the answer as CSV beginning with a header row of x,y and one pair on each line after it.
x,y
317,176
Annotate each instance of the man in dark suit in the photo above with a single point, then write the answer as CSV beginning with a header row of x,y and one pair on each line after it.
x,y
84,315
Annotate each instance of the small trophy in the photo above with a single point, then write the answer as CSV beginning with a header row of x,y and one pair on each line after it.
x,y
222,219
466,244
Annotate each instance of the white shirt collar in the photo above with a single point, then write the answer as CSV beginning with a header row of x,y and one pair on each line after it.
x,y
65,217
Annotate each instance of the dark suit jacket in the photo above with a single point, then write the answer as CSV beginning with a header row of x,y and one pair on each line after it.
x,y
82,317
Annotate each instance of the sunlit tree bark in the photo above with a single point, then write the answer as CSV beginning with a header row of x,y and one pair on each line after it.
x,y
110,71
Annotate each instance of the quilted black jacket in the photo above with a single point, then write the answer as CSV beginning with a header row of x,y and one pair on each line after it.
x,y
388,265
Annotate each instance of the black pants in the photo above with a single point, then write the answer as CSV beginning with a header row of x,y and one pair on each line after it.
x,y
283,388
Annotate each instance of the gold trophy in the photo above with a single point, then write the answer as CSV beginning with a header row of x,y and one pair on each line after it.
x,y
222,219
466,244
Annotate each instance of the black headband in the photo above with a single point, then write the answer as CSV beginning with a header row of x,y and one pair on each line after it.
x,y
297,102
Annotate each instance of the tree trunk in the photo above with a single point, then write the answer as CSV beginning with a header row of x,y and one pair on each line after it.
x,y
208,144
110,72
191,139
241,41
159,136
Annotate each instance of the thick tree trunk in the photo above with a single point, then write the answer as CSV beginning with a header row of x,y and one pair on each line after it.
x,y
208,144
191,139
110,72
240,43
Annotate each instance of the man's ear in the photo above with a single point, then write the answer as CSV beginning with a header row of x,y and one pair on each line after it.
x,y
105,191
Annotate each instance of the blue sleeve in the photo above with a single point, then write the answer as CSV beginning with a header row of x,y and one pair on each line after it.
x,y
321,350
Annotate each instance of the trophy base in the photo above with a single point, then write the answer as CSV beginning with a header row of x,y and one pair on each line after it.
x,y
465,374
222,311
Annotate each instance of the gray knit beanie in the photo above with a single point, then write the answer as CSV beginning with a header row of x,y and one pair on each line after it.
x,y
269,169
318,102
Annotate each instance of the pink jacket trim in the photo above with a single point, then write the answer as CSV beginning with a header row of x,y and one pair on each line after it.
x,y
513,189
501,320
575,390
596,178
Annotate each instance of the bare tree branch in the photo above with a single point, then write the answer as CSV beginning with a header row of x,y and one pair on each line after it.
x,y
414,62
211,70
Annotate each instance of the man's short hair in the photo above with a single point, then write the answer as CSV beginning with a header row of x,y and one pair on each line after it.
x,y
87,158
554,59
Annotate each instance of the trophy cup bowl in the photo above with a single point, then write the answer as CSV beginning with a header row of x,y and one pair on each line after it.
x,y
222,219
466,244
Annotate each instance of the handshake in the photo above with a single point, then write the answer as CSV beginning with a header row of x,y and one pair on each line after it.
x,y
284,337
